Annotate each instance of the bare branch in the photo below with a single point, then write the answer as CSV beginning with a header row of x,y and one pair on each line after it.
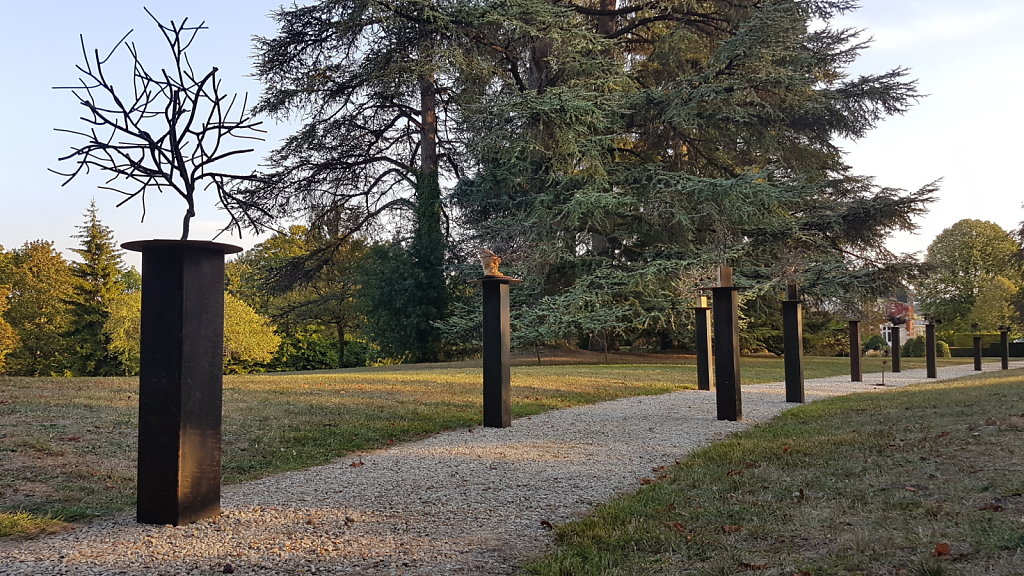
x,y
167,132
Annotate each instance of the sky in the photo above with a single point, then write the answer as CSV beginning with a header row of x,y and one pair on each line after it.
x,y
966,57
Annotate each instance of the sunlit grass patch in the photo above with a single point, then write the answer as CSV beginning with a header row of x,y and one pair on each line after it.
x,y
915,481
25,524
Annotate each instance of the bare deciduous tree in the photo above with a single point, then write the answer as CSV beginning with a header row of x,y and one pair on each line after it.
x,y
167,133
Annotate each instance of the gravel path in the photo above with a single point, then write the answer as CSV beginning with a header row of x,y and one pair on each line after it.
x,y
471,501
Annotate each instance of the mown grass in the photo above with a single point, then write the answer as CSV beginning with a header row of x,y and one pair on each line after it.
x,y
922,481
68,446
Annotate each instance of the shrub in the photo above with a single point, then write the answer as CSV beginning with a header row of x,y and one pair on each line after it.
x,y
876,342
915,347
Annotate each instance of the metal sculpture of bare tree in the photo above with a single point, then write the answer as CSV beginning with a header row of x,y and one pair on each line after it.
x,y
167,133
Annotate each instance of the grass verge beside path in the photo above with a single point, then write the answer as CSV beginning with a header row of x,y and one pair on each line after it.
x,y
921,481
68,446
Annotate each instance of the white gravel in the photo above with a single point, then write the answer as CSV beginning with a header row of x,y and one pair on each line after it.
x,y
472,501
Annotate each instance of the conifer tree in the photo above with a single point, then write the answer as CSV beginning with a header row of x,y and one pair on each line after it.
x,y
97,283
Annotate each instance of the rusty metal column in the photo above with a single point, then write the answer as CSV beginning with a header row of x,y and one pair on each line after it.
x,y
702,343
855,372
180,380
895,334
977,353
725,309
497,351
793,344
1004,346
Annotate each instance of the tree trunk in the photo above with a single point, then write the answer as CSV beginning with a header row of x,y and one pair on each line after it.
x,y
428,244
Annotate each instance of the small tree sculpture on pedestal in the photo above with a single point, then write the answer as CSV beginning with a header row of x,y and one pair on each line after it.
x,y
167,131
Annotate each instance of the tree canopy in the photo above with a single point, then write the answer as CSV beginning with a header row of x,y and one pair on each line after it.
x,y
974,274
40,282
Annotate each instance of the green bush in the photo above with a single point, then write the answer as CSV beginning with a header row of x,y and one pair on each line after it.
x,y
876,342
915,347
942,350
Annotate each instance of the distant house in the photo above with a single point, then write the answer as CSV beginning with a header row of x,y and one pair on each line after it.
x,y
899,311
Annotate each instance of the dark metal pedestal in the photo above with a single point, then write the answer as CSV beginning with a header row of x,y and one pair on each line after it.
x,y
725,309
702,341
895,332
793,345
497,351
1004,348
929,343
856,375
180,380
977,353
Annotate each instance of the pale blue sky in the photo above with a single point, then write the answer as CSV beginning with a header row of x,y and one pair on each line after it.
x,y
967,57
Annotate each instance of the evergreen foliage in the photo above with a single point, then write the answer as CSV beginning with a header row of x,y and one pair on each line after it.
x,y
617,152
655,139
367,78
97,283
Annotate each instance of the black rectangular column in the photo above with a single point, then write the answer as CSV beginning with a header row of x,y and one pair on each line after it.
x,y
793,345
895,332
497,353
1004,348
725,312
180,381
855,370
702,342
929,343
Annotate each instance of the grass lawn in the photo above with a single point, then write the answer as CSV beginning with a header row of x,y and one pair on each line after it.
x,y
921,481
68,446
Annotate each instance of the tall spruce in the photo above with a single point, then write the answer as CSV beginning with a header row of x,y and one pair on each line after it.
x,y
97,283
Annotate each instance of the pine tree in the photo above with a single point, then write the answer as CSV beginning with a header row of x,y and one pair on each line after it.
x,y
97,283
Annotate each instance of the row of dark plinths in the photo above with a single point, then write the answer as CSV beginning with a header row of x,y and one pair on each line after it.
x,y
181,381
718,347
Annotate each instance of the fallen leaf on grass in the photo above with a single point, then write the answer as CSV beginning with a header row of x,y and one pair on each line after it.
x,y
991,507
731,528
786,449
734,473
678,527
752,566
942,549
